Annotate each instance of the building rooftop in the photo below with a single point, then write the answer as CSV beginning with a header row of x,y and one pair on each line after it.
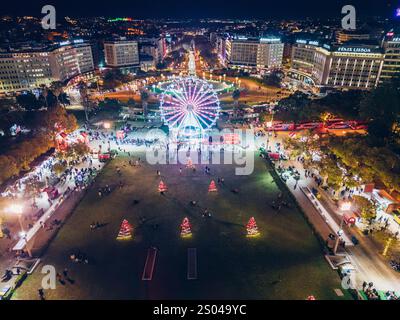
x,y
31,46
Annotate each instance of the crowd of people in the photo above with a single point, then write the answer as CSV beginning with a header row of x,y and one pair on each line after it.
x,y
373,294
108,138
395,265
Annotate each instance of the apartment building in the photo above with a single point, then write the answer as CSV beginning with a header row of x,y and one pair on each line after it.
x,y
29,67
254,53
391,64
121,53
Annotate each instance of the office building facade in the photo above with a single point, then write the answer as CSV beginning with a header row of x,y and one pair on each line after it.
x,y
337,66
121,53
254,53
28,68
391,64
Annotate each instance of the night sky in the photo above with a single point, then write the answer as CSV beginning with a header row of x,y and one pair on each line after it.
x,y
201,8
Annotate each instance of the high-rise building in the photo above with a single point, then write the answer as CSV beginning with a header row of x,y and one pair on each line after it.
x,y
150,49
29,67
391,64
121,53
71,60
254,53
155,47
162,47
221,49
352,66
24,70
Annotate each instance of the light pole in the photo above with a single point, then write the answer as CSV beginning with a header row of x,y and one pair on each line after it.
x,y
344,207
1,227
339,233
269,126
107,125
17,209
387,246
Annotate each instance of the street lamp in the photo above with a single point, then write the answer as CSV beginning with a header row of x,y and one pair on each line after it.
x,y
269,125
17,209
345,206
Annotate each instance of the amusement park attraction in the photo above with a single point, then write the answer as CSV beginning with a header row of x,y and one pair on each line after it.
x,y
189,105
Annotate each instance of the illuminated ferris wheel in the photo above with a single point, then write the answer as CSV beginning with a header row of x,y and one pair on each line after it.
x,y
189,105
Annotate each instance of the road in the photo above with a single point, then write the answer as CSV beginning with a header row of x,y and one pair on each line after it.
x,y
366,257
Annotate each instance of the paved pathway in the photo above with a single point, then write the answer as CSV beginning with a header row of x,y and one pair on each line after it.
x,y
369,263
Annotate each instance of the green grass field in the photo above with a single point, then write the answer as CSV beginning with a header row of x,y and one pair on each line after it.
x,y
285,262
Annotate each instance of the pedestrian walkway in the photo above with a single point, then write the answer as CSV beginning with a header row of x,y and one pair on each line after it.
x,y
324,216
192,264
150,263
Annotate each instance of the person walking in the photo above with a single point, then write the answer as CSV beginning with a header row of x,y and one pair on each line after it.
x,y
41,294
60,279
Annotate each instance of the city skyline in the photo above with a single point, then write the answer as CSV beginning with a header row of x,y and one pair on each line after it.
x,y
206,9
171,150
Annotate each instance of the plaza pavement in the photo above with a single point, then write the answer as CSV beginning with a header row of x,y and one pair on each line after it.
x,y
365,257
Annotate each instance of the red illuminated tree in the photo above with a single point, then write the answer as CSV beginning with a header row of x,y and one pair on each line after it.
x,y
185,228
212,187
189,164
252,229
125,232
162,187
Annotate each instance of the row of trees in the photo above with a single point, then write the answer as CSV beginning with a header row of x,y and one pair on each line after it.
x,y
115,105
48,123
49,97
73,152
28,102
114,78
300,107
19,157
379,107
273,79
348,161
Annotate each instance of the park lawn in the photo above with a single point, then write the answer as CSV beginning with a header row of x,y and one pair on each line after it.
x,y
284,262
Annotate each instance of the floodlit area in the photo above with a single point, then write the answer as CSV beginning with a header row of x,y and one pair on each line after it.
x,y
283,262
161,156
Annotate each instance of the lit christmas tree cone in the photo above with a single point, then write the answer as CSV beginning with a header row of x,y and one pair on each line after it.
x,y
125,232
189,164
252,229
186,231
162,187
212,187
